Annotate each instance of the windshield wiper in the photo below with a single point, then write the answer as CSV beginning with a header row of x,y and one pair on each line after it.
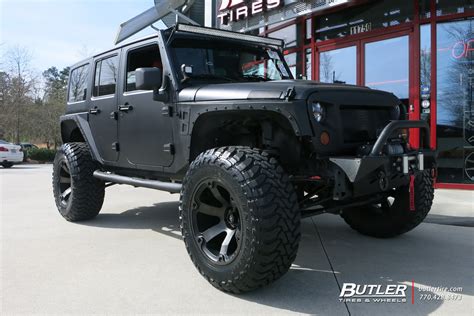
x,y
257,77
211,76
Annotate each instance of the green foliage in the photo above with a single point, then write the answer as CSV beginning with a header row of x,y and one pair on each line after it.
x,y
41,154
25,114
56,84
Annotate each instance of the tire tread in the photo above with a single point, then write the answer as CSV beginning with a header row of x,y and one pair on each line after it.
x,y
275,214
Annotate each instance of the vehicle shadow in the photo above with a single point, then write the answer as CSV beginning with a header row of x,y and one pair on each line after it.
x,y
18,167
310,286
161,217
450,220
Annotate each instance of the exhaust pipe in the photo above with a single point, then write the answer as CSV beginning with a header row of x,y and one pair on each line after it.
x,y
139,182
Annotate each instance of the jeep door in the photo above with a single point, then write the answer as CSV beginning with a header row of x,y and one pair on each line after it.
x,y
145,132
103,104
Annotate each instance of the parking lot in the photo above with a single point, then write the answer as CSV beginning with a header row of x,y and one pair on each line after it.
x,y
131,259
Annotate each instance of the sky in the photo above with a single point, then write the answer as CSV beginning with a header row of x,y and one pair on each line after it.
x,y
61,32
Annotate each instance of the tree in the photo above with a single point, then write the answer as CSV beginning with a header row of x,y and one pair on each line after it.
x,y
18,86
25,116
55,84
53,107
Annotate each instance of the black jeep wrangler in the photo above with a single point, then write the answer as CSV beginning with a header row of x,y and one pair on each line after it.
x,y
217,117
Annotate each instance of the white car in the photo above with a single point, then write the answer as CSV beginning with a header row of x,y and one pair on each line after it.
x,y
10,154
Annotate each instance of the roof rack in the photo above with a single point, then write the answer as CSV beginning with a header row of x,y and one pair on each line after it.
x,y
229,35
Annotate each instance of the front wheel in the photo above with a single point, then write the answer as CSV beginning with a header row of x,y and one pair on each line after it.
x,y
393,216
239,218
7,165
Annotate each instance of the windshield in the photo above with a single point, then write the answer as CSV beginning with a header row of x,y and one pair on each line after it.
x,y
225,61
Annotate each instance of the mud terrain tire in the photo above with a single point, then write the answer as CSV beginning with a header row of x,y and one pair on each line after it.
x,y
250,187
78,195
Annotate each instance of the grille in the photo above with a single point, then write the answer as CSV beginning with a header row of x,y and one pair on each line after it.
x,y
362,125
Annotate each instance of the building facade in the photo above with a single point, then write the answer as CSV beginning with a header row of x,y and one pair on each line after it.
x,y
421,50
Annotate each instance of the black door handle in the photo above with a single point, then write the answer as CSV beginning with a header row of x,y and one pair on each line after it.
x,y
94,111
125,108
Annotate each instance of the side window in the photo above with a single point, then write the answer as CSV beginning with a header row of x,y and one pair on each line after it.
x,y
106,75
148,56
78,84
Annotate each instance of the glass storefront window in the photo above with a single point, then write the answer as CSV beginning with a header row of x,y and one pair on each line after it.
x,y
291,61
425,55
339,65
309,29
363,18
445,7
288,34
455,109
425,8
387,66
309,66
425,69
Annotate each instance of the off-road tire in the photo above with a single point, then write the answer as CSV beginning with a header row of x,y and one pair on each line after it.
x,y
398,219
7,165
269,211
87,193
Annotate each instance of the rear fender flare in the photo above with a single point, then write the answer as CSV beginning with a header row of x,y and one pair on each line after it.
x,y
80,120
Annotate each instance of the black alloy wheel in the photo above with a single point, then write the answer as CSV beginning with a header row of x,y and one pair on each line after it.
x,y
217,227
65,181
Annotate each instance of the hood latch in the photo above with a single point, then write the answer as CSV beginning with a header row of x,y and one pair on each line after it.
x,y
290,94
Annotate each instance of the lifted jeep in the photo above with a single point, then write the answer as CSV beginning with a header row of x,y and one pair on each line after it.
x,y
217,117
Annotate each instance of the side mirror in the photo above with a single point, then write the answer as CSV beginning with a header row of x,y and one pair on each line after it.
x,y
148,78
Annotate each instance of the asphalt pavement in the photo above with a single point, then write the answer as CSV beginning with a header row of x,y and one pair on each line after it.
x,y
131,259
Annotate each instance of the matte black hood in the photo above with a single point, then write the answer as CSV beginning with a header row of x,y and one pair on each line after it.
x,y
272,90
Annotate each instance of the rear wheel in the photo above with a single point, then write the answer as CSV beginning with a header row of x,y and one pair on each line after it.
x,y
392,216
78,195
239,218
7,165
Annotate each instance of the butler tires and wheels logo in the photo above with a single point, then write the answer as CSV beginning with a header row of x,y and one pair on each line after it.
x,y
398,293
373,293
237,10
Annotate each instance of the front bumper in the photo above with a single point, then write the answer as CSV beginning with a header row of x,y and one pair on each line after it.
x,y
378,172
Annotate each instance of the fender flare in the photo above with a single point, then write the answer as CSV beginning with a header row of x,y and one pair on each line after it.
x,y
280,111
81,122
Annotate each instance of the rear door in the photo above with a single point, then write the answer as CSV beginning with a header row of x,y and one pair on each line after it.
x,y
102,121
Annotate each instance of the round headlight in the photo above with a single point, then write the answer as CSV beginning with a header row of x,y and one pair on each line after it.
x,y
319,112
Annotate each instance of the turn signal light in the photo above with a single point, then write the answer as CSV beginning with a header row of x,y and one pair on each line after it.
x,y
3,148
324,138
